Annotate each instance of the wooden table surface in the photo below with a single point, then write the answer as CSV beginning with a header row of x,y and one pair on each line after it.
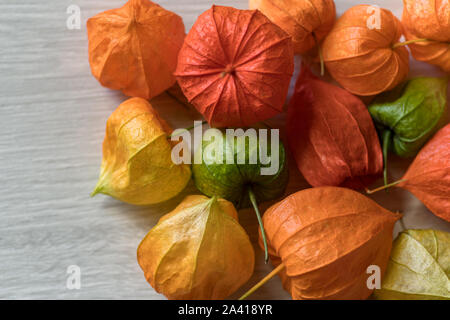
x,y
52,122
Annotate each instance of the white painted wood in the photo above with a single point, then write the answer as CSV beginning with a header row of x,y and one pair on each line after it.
x,y
52,119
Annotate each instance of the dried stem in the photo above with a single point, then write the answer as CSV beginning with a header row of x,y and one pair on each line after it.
x,y
401,44
319,49
263,281
387,135
384,187
261,226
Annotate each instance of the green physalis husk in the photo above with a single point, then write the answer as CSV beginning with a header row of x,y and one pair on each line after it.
x,y
419,267
409,115
233,181
241,181
412,112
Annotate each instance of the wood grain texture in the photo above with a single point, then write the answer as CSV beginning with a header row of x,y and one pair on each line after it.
x,y
52,120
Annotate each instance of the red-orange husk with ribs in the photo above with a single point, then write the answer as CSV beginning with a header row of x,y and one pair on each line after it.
x,y
428,177
235,67
135,48
428,20
362,55
331,135
322,240
306,21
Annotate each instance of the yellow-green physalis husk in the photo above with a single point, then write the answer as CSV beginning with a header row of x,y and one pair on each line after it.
x,y
197,251
137,166
419,267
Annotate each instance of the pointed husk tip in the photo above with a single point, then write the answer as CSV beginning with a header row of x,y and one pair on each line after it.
x,y
98,188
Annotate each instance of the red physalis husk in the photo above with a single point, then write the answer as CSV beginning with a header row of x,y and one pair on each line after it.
x,y
331,135
428,177
235,67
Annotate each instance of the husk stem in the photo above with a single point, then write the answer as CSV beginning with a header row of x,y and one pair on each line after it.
x,y
387,135
401,44
384,187
229,69
261,226
319,49
187,129
263,281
